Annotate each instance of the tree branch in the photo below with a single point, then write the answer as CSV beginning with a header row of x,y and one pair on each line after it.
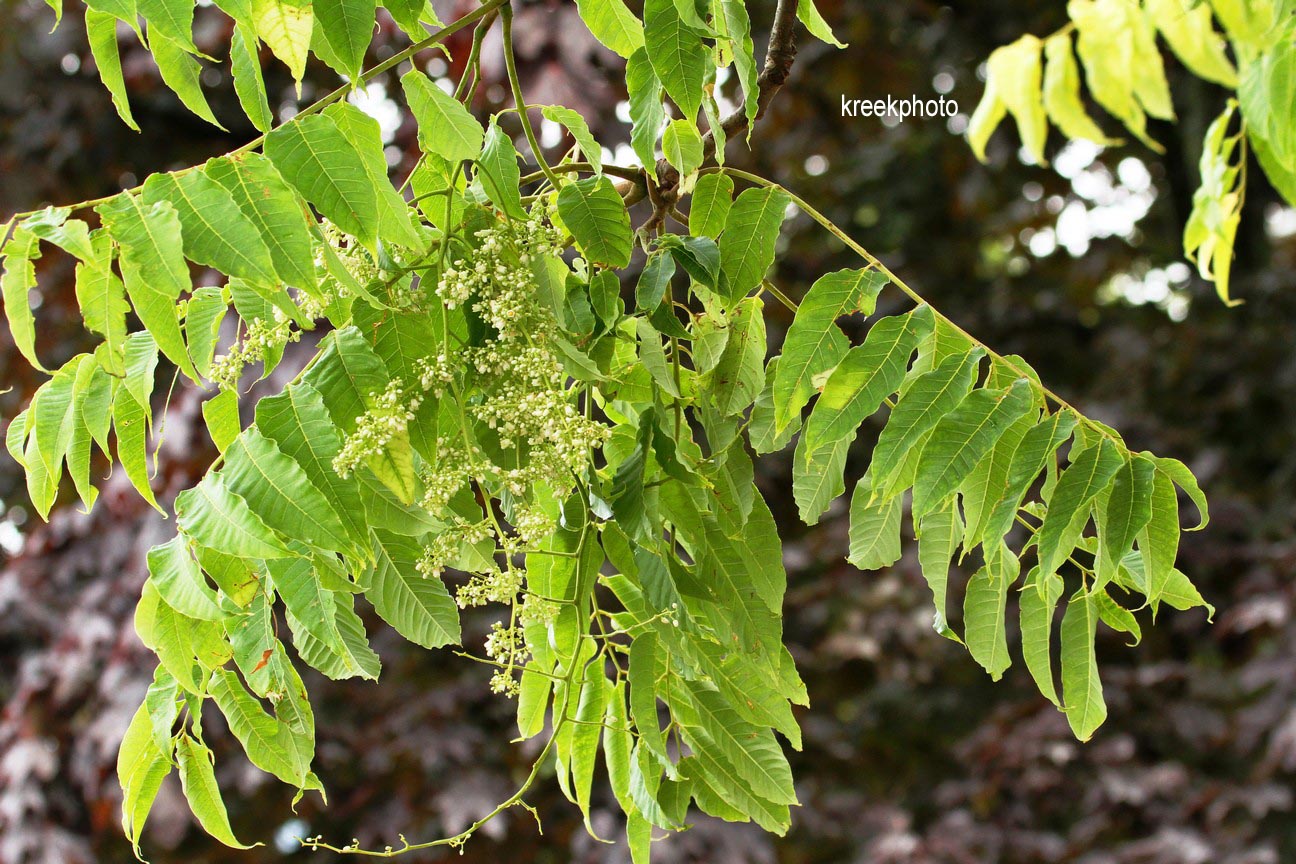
x,y
779,56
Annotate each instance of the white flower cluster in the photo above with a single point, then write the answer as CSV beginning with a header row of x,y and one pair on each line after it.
x,y
445,547
506,646
516,377
496,586
389,417
259,339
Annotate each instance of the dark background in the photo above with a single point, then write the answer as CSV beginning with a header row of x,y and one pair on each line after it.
x,y
911,753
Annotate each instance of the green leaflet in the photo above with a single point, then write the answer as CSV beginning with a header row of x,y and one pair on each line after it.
x,y
286,28
1081,686
1068,509
131,421
315,157
1039,599
817,477
874,528
221,415
738,24
215,516
931,396
646,111
682,146
939,534
180,582
79,444
280,494
1158,541
1013,75
299,424
347,27
188,647
1124,509
1117,617
590,149
141,768
270,743
249,85
962,438
983,622
590,708
172,19
347,375
70,235
55,416
274,209
597,218
699,256
710,205
751,751
364,134
866,375
300,583
199,782
612,24
418,606
677,55
747,245
739,374
18,279
446,129
153,268
216,232
617,744
181,72
814,343
101,297
498,172
101,33
815,23
355,660
252,638
162,701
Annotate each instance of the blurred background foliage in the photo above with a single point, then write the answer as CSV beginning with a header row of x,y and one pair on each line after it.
x,y
911,754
